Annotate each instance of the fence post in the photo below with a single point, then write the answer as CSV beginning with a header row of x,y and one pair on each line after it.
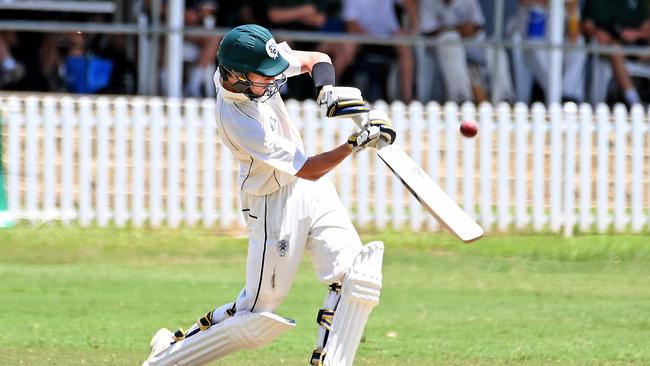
x,y
50,123
208,131
638,138
86,124
415,143
191,120
468,112
503,189
557,129
485,112
397,111
15,125
570,116
122,122
451,148
586,149
539,134
433,150
140,121
103,132
68,122
521,154
157,120
620,167
602,209
172,157
32,158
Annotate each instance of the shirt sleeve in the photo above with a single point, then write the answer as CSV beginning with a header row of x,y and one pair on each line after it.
x,y
267,146
350,11
295,66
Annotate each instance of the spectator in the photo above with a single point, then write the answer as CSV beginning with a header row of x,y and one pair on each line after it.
x,y
531,23
200,52
113,48
449,21
11,71
378,18
617,23
297,15
342,54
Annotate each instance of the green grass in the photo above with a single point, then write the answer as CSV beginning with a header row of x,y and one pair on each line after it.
x,y
96,296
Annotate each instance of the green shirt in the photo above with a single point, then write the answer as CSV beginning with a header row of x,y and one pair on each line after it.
x,y
617,14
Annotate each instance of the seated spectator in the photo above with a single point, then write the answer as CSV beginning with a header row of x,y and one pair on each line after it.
x,y
200,52
297,15
619,23
449,21
531,23
378,18
342,54
113,47
84,72
11,71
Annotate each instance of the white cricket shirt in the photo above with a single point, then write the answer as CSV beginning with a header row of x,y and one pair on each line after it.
x,y
437,14
260,135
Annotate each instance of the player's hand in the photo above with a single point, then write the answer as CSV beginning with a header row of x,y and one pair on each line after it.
x,y
341,101
374,134
386,132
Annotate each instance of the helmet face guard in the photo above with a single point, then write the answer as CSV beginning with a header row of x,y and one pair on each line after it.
x,y
243,84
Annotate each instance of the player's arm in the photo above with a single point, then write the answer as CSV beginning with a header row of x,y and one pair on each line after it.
x,y
320,164
308,59
377,130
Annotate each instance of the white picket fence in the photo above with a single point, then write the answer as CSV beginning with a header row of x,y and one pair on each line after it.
x,y
150,161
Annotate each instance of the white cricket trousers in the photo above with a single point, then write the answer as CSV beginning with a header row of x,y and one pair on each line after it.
x,y
281,225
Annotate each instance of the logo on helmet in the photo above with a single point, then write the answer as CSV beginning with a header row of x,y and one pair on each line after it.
x,y
272,49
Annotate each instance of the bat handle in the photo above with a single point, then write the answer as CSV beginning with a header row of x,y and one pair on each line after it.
x,y
360,119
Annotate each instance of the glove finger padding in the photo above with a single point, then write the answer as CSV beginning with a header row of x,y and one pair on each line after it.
x,y
341,101
368,136
380,119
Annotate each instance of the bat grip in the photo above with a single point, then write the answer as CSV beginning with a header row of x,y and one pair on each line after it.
x,y
361,120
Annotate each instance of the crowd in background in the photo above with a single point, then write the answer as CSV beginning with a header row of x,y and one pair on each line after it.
x,y
449,71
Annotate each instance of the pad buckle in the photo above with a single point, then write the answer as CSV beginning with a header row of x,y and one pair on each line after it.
x,y
335,287
205,322
179,335
324,318
317,358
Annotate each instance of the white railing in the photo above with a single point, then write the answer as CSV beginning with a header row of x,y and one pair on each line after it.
x,y
151,161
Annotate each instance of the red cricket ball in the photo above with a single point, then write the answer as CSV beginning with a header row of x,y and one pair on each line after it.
x,y
469,128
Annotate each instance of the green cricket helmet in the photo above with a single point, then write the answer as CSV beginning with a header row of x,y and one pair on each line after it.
x,y
251,48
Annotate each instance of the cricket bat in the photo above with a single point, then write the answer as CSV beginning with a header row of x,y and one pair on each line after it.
x,y
427,191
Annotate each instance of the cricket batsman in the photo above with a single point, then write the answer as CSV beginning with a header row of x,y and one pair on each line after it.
x,y
289,207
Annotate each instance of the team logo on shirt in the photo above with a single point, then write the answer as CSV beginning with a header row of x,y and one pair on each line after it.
x,y
273,123
272,48
283,247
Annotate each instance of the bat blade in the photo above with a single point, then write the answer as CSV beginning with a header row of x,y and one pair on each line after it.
x,y
429,194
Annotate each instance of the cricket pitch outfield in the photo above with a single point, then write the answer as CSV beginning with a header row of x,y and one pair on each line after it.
x,y
95,297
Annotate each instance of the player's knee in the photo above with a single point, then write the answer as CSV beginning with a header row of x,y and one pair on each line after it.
x,y
364,280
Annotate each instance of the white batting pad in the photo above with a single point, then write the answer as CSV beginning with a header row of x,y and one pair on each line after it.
x,y
248,330
359,295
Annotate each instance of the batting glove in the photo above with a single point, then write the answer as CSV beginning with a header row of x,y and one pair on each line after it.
x,y
386,132
341,101
377,132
